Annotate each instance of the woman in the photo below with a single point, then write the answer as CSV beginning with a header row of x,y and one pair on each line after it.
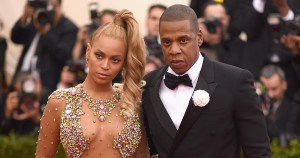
x,y
96,119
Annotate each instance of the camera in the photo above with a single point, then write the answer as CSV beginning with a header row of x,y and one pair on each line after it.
x,y
153,46
93,8
293,26
289,27
78,68
27,95
43,13
95,19
212,23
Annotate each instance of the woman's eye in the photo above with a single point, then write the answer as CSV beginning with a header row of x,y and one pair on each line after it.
x,y
116,60
99,56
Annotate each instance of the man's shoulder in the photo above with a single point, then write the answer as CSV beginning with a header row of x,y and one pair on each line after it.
x,y
226,67
226,70
66,23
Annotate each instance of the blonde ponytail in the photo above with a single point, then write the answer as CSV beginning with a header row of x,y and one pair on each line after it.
x,y
134,67
126,28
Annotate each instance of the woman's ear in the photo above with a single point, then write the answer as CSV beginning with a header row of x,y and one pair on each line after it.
x,y
87,52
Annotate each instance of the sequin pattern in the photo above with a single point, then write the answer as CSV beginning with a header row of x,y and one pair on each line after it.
x,y
129,138
71,135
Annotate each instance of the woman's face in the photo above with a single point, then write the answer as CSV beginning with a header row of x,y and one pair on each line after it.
x,y
105,59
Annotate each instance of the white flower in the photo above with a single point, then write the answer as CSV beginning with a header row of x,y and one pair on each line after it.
x,y
200,98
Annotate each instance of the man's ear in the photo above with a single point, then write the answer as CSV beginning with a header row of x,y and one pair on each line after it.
x,y
284,85
199,38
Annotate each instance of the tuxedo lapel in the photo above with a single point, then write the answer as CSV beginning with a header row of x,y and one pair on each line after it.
x,y
158,106
205,82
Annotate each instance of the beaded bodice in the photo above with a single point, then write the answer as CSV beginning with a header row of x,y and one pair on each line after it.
x,y
71,132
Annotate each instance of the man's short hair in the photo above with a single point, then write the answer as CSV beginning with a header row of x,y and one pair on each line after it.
x,y
160,6
180,12
270,70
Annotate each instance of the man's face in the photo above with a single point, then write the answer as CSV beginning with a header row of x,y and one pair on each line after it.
x,y
153,21
218,11
275,87
180,44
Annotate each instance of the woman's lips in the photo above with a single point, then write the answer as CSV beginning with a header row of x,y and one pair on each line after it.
x,y
102,75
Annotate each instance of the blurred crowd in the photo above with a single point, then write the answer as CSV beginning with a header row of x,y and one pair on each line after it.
x,y
262,36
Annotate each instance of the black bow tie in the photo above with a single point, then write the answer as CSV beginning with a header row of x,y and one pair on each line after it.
x,y
172,81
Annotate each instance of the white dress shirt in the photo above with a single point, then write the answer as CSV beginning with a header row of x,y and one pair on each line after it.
x,y
30,58
176,101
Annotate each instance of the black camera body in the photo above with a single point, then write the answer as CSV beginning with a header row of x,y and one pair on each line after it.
x,y
293,26
94,15
37,4
27,95
212,23
153,46
43,14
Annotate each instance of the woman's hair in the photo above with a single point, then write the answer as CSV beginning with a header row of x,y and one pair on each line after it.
x,y
126,28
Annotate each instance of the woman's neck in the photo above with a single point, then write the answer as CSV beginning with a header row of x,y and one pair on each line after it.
x,y
97,91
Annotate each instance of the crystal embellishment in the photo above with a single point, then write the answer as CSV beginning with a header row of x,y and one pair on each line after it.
x,y
71,132
101,108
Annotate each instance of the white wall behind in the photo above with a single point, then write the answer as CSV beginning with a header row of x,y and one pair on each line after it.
x,y
77,11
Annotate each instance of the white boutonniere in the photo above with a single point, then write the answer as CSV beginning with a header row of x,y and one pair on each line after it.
x,y
200,98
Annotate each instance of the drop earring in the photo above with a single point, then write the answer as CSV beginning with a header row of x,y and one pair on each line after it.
x,y
86,60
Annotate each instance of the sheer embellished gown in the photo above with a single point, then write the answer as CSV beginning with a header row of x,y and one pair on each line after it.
x,y
87,127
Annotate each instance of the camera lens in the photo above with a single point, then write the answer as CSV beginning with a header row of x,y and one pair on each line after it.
x,y
28,86
211,24
37,4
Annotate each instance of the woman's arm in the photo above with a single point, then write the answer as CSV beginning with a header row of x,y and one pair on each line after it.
x,y
48,139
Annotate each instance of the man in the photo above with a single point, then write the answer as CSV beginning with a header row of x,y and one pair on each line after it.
x,y
48,38
262,28
281,112
219,43
291,67
152,25
216,124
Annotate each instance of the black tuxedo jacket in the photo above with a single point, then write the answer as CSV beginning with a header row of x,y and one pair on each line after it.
x,y
284,120
230,121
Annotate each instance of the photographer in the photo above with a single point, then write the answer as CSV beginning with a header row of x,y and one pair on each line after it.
x,y
281,112
72,74
285,52
219,44
255,16
48,38
152,25
292,43
21,108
